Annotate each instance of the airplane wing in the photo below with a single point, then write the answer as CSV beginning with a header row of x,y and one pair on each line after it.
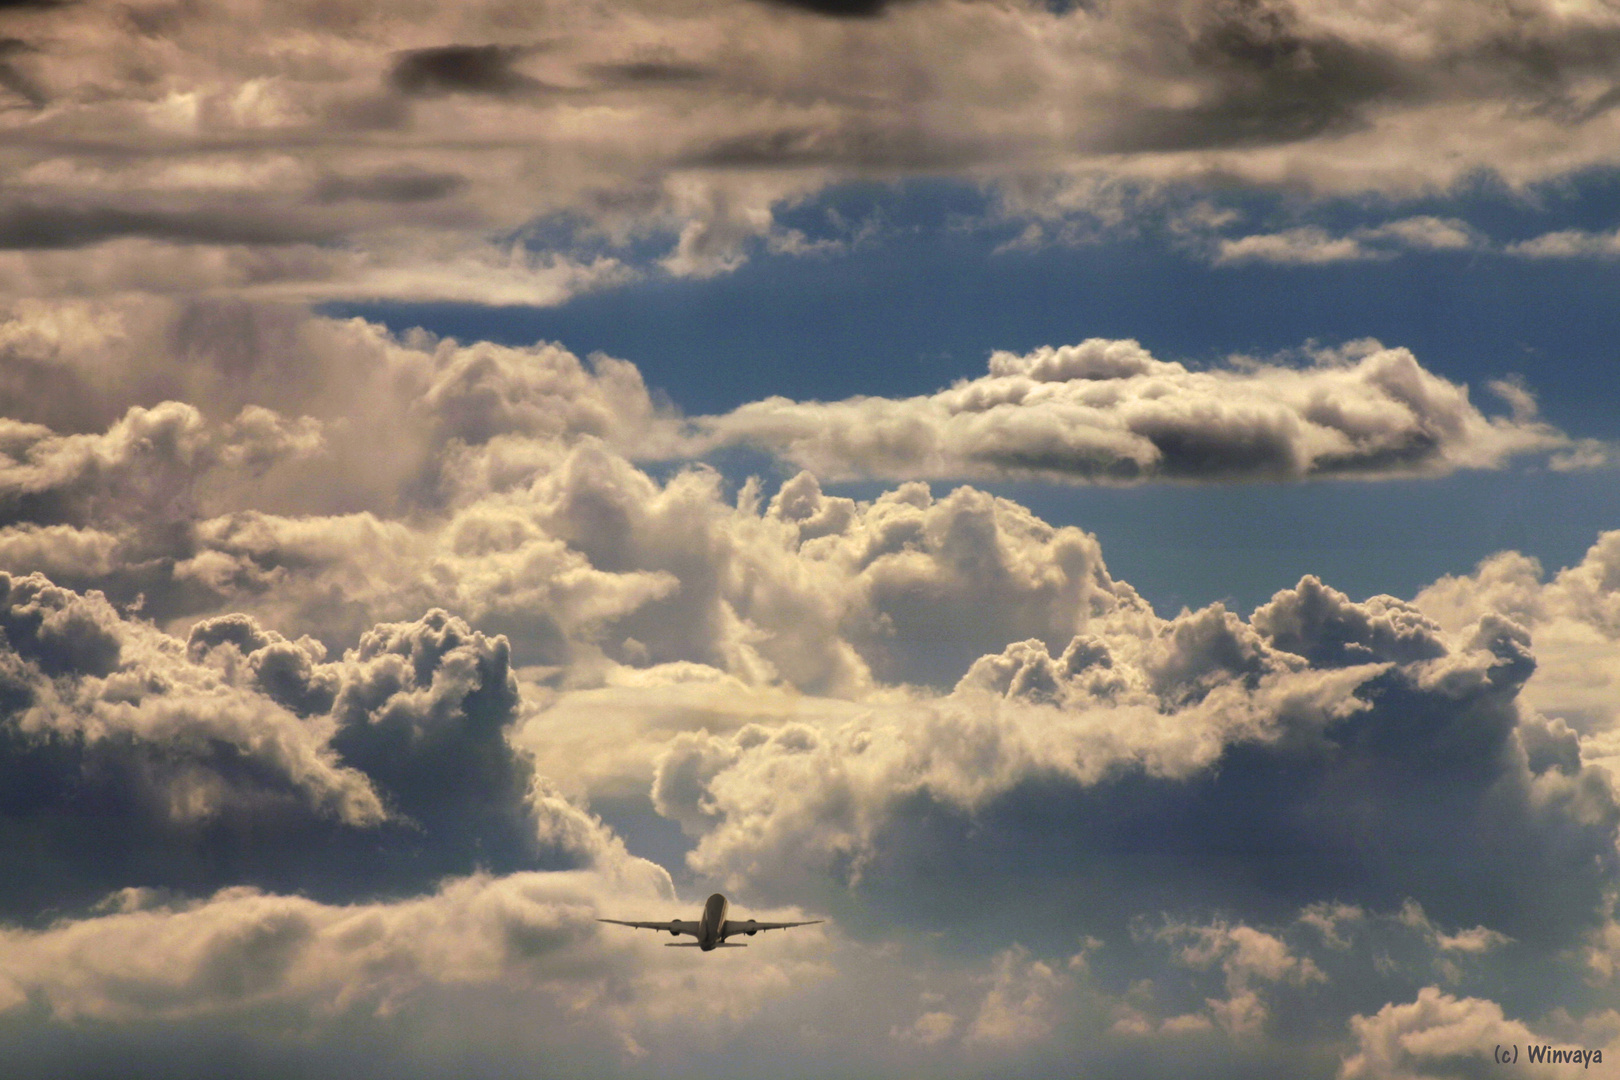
x,y
673,926
749,926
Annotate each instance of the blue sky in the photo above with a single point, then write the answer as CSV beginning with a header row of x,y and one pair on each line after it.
x,y
1111,511
925,298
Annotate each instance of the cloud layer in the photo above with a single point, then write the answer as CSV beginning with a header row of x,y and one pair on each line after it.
x,y
331,151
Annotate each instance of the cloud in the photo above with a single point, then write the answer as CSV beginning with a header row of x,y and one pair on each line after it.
x,y
393,268
123,754
1427,233
809,630
693,650
251,148
1568,244
242,951
840,9
240,755
467,69
1575,621
342,772
1307,245
148,464
1310,245
1019,1006
1438,1034
1108,411
1049,769
1247,956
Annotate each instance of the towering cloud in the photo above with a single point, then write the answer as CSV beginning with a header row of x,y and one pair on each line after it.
x,y
242,757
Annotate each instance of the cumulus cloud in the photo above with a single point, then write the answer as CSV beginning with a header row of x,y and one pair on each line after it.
x,y
1247,957
240,755
1110,412
1147,732
124,754
148,463
1438,1035
1575,621
318,759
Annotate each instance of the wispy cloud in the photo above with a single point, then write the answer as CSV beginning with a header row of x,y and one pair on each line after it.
x,y
1310,245
1568,244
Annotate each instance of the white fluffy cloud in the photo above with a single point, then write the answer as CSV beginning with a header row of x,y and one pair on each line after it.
x,y
1439,1035
1108,411
1575,622
1200,721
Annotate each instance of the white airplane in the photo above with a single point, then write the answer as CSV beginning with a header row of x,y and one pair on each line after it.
x,y
712,929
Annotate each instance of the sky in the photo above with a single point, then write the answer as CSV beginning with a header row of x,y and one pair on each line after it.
x,y
1112,507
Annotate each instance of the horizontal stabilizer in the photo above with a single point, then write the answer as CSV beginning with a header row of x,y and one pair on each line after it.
x,y
732,945
681,945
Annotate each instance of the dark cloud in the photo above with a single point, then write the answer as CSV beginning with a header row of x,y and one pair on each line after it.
x,y
1267,79
651,72
16,81
876,142
1316,622
1545,63
839,9
246,758
125,763
463,69
400,186
290,673
26,226
1268,76
424,711
1044,113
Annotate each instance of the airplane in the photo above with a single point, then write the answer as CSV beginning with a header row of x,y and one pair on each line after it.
x,y
712,929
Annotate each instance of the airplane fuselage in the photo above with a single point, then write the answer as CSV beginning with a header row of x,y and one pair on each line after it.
x,y
711,927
